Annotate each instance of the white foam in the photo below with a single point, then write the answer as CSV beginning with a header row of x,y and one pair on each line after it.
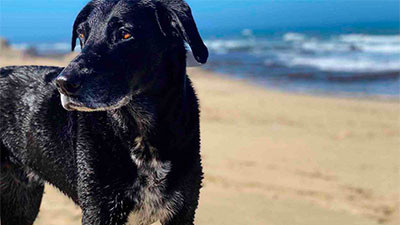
x,y
44,47
59,46
320,46
224,46
362,43
363,38
386,44
20,46
383,48
247,33
342,64
294,37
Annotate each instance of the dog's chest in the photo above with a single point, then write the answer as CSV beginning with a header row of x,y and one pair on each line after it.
x,y
153,203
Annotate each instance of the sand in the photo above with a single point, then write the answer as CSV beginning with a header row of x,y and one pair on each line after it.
x,y
281,159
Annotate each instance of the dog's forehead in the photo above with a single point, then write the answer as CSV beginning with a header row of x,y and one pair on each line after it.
x,y
110,8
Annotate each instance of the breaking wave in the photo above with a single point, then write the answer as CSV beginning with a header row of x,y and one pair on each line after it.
x,y
349,53
343,64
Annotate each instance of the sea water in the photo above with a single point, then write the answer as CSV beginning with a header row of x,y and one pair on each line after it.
x,y
341,63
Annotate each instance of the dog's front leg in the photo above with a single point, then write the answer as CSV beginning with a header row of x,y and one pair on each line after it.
x,y
103,206
102,191
104,214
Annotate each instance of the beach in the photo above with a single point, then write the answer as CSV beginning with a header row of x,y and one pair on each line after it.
x,y
279,158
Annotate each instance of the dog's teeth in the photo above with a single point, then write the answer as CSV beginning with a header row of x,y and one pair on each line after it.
x,y
64,99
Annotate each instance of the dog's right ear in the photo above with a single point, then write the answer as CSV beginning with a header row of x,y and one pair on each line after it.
x,y
82,16
176,15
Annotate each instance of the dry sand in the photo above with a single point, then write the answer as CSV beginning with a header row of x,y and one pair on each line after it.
x,y
281,159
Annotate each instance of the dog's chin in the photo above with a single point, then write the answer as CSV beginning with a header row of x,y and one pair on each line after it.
x,y
71,104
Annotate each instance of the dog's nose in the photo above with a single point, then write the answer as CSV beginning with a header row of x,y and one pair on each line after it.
x,y
66,86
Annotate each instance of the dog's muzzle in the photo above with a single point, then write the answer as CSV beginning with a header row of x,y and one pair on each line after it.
x,y
71,105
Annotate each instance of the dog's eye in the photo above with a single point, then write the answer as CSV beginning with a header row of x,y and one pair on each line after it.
x,y
125,35
81,39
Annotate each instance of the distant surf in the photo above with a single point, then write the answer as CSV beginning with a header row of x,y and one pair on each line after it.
x,y
362,64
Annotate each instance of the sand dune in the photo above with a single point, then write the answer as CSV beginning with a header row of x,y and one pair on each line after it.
x,y
282,159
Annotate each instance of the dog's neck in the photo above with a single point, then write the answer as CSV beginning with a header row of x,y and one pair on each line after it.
x,y
166,106
154,118
158,117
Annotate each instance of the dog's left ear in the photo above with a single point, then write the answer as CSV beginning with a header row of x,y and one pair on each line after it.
x,y
82,16
179,16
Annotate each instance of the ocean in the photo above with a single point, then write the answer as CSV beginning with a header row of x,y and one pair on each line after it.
x,y
359,64
347,63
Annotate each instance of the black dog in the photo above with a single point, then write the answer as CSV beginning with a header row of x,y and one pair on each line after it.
x,y
124,139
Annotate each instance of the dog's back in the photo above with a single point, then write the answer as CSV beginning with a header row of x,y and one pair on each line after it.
x,y
18,85
23,89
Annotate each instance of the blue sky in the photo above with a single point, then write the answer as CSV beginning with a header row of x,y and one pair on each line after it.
x,y
38,20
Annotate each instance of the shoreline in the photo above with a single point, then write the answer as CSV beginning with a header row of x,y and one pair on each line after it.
x,y
321,94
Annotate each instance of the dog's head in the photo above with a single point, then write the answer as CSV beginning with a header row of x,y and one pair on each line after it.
x,y
127,47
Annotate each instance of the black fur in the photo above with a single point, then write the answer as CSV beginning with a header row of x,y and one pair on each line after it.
x,y
141,137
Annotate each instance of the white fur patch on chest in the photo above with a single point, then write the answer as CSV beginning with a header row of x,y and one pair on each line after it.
x,y
153,203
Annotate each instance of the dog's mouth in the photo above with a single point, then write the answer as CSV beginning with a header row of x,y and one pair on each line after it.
x,y
72,104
